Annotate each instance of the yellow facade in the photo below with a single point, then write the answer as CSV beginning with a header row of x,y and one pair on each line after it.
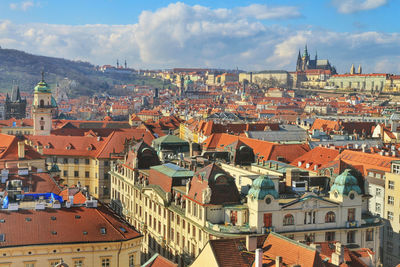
x,y
91,173
118,254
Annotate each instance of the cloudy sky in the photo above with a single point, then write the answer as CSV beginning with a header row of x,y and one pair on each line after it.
x,y
249,35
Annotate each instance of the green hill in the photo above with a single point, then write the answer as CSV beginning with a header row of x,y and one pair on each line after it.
x,y
25,70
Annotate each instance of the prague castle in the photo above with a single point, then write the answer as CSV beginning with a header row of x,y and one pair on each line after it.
x,y
304,62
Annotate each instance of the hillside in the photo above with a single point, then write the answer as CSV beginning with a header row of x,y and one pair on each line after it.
x,y
25,69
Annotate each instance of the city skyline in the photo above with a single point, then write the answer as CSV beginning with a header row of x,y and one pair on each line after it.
x,y
250,35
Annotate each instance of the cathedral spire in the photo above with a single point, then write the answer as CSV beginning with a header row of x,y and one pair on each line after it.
x,y
316,56
352,70
359,71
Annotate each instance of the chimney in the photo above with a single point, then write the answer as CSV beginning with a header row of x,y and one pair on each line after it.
x,y
278,261
21,149
251,242
337,256
259,257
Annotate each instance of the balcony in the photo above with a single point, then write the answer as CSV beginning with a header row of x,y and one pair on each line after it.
x,y
228,228
351,224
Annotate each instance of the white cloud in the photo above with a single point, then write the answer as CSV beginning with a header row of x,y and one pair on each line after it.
x,y
265,12
24,6
180,35
351,6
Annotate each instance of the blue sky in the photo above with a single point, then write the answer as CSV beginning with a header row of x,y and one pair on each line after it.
x,y
251,35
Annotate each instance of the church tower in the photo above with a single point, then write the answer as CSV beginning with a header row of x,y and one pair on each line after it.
x,y
352,70
41,108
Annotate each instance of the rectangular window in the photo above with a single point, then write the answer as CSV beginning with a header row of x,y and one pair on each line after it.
x,y
351,237
267,219
87,174
65,160
309,238
76,173
106,163
378,207
391,184
78,263
105,262
390,200
131,260
390,216
351,215
378,192
87,161
76,161
65,173
369,235
329,236
30,264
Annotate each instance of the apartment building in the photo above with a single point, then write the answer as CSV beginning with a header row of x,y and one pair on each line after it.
x,y
391,238
179,212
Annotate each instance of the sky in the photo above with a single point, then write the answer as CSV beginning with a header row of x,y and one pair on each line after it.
x,y
249,35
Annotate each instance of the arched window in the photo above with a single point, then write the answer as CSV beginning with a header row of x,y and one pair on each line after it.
x,y
288,219
41,103
330,217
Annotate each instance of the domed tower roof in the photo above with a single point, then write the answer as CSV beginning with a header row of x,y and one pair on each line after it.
x,y
261,187
42,86
345,183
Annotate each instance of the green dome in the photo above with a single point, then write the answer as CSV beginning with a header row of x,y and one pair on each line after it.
x,y
345,183
42,87
261,187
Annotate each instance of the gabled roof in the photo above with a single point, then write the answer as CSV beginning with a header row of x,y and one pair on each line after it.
x,y
159,261
292,252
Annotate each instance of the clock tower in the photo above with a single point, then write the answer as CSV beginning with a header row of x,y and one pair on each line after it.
x,y
41,108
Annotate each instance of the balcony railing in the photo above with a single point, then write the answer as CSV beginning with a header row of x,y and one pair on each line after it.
x,y
351,224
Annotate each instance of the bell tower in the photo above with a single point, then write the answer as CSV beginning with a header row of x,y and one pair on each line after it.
x,y
41,108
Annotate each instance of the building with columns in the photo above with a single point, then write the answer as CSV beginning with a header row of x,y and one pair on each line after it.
x,y
179,212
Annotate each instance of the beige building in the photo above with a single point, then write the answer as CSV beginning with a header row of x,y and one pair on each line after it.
x,y
78,236
280,76
361,82
391,239
179,212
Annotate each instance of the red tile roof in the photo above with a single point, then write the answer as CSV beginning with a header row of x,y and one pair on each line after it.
x,y
269,150
159,261
67,228
316,158
367,160
292,252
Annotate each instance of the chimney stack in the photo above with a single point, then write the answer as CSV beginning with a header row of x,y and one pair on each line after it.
x,y
278,261
259,258
21,149
337,256
251,242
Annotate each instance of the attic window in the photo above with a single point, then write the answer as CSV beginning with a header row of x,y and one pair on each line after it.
x,y
2,237
28,219
53,218
85,233
103,230
123,229
2,221
77,216
53,232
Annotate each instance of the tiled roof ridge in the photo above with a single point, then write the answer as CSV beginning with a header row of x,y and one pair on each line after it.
x,y
13,138
107,140
108,221
293,241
